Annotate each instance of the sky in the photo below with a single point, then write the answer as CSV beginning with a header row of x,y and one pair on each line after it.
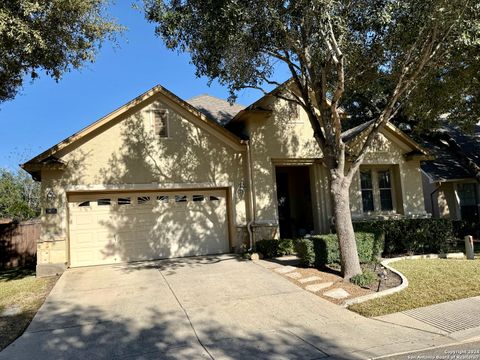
x,y
46,112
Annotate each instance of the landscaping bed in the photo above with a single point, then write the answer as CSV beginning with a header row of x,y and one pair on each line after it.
x,y
431,281
331,274
21,295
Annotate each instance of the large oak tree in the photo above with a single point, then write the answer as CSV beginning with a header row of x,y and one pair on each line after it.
x,y
49,35
371,57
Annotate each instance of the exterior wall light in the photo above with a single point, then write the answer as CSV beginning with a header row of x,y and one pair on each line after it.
x,y
51,195
241,190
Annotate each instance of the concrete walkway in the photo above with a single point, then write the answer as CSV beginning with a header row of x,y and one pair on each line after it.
x,y
459,319
216,307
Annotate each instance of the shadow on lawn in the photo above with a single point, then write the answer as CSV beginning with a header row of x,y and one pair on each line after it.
x,y
16,274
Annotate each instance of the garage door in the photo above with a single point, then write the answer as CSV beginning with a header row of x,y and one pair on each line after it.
x,y
110,228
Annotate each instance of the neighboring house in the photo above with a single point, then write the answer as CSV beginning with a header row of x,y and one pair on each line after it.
x,y
161,177
452,181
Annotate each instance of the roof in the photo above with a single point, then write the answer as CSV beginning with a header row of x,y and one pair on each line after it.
x,y
48,156
218,109
418,150
353,132
457,153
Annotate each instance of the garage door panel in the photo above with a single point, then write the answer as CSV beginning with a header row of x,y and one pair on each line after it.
x,y
141,226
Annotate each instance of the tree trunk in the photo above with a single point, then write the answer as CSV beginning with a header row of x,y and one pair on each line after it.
x,y
343,223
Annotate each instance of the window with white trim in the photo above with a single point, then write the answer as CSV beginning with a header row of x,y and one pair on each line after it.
x,y
385,189
377,190
160,123
367,190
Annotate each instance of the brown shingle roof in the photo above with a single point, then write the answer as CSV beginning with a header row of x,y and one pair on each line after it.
x,y
218,109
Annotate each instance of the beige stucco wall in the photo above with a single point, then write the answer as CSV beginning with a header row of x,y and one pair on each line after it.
x,y
387,152
127,155
445,201
281,138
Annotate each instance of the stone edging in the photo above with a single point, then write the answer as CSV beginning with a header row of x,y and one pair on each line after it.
x,y
404,283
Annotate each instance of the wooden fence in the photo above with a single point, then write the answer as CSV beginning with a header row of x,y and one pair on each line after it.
x,y
18,243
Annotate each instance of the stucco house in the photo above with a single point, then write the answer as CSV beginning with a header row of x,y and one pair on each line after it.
x,y
161,177
452,180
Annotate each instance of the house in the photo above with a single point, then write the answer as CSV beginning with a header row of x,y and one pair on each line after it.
x,y
452,181
161,177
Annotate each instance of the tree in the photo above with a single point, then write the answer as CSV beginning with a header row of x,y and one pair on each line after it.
x,y
19,195
388,53
52,35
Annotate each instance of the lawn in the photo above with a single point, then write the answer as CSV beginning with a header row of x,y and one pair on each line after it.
x,y
21,294
430,282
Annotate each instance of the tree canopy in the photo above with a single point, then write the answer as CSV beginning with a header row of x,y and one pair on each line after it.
x,y
373,59
52,35
19,195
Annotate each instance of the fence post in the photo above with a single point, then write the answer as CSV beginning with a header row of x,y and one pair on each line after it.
x,y
469,247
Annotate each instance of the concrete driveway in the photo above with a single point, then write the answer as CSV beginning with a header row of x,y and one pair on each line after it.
x,y
217,307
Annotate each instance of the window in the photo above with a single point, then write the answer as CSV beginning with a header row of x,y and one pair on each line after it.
x,y
214,198
162,198
141,200
467,196
104,202
124,201
385,187
85,203
160,123
293,111
367,190
180,198
377,192
198,198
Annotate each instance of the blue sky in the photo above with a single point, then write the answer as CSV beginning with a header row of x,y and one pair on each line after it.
x,y
46,112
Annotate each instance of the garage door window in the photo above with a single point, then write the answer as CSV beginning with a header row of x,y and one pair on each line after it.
x,y
84,203
104,202
197,198
124,201
162,198
214,198
180,198
142,200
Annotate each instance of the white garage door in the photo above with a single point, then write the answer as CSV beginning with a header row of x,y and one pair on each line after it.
x,y
110,228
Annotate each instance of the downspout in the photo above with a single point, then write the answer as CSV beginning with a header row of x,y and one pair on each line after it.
x,y
431,200
251,197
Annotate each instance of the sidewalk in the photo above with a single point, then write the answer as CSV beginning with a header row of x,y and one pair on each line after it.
x,y
458,320
447,323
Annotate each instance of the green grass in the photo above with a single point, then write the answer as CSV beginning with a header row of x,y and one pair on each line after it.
x,y
430,282
19,288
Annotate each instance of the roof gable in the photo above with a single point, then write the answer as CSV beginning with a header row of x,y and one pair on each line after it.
x,y
185,108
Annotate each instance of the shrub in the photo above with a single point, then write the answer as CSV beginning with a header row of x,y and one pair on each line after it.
x,y
271,248
323,249
286,247
411,235
305,252
366,278
268,248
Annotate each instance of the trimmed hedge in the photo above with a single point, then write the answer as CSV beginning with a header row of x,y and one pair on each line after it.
x,y
271,248
418,236
321,250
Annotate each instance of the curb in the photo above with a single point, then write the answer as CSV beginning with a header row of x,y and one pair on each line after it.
x,y
385,263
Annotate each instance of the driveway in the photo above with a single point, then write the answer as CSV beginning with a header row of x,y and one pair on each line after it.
x,y
216,307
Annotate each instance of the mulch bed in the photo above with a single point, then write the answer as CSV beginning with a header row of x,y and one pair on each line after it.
x,y
387,280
